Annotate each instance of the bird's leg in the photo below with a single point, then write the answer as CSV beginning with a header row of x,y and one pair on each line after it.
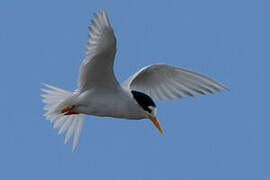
x,y
68,110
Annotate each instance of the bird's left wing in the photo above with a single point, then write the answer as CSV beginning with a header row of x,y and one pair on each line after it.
x,y
97,68
165,82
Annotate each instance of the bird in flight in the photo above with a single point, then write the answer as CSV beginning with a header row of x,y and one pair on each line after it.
x,y
100,94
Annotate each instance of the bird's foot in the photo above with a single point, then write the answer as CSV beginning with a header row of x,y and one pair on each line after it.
x,y
68,110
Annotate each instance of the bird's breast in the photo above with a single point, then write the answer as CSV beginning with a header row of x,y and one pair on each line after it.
x,y
112,103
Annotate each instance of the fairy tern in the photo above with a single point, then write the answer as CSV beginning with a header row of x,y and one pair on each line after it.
x,y
100,94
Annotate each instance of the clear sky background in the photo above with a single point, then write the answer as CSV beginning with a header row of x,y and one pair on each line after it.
x,y
225,136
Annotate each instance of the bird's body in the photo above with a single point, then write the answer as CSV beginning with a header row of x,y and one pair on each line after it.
x,y
100,94
105,102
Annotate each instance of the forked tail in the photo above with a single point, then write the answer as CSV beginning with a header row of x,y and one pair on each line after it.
x,y
56,100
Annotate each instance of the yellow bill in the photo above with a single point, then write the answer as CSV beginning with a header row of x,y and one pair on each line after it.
x,y
156,123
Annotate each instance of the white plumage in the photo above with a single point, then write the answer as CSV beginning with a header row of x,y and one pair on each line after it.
x,y
165,82
55,99
100,94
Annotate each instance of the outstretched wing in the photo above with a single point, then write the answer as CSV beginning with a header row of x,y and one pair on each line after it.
x,y
165,82
97,68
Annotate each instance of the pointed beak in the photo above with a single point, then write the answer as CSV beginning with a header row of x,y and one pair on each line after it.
x,y
156,123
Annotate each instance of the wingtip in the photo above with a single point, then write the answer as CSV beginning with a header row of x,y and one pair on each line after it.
x,y
227,89
222,88
44,84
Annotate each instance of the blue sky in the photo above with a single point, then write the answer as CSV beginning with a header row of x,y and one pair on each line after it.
x,y
223,136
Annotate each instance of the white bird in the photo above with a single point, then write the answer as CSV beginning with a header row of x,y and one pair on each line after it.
x,y
100,94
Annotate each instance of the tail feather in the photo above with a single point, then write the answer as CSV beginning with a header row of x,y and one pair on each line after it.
x,y
77,133
55,100
66,125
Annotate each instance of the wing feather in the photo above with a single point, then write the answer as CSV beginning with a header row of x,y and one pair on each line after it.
x,y
97,68
160,95
166,92
165,82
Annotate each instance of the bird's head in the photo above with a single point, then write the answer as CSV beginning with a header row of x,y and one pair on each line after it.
x,y
148,105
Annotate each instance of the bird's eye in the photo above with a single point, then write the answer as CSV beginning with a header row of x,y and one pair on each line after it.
x,y
144,101
152,109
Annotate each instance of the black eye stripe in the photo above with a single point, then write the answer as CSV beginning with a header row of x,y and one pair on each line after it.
x,y
143,100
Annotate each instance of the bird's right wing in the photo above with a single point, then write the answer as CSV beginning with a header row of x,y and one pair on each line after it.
x,y
165,82
97,68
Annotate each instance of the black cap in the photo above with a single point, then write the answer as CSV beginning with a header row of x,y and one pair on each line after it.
x,y
143,100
